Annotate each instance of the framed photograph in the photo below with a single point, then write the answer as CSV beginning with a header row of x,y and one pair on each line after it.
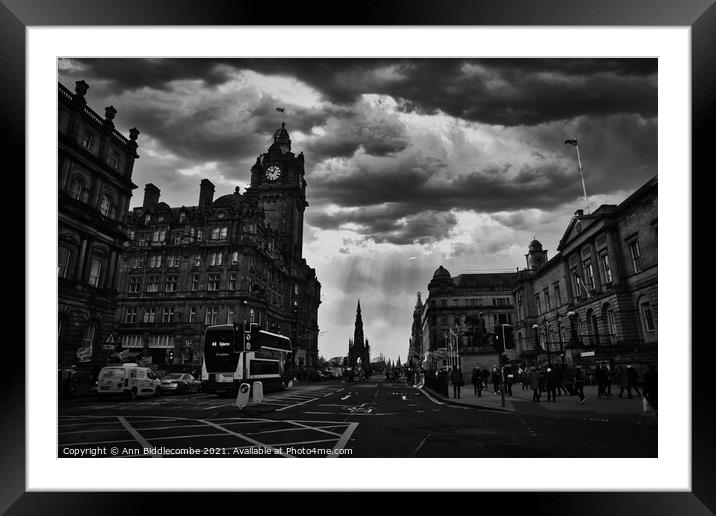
x,y
426,245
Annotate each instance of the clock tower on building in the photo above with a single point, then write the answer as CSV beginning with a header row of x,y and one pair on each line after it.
x,y
536,256
277,179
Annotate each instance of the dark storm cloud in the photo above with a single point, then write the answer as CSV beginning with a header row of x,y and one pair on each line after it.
x,y
494,91
393,223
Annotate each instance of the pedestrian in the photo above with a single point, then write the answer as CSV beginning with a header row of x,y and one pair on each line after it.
x,y
559,379
457,382
534,381
495,380
633,376
476,380
651,385
608,380
509,380
551,384
524,376
579,384
601,383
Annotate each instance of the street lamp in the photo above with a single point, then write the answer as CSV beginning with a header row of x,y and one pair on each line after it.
x,y
535,327
573,339
559,334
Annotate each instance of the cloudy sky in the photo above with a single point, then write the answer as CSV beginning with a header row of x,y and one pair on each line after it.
x,y
410,164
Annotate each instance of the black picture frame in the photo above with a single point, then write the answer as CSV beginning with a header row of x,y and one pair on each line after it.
x,y
700,16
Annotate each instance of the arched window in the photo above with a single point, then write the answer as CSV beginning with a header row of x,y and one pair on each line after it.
x,y
647,314
63,261
95,274
79,189
89,335
611,323
106,207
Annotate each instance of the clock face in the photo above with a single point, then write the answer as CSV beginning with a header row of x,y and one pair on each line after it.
x,y
538,259
284,149
273,173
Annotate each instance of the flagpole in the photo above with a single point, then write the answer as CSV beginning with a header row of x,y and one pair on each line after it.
x,y
581,173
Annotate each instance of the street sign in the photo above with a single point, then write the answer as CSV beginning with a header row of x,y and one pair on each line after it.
x,y
587,354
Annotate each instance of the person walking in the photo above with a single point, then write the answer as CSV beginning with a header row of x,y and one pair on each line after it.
x,y
601,382
509,380
551,384
495,380
624,382
559,380
651,385
534,380
633,377
457,381
579,384
608,380
476,380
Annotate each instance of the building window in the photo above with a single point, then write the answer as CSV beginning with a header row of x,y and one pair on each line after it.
x,y
537,303
174,261
159,235
636,256
131,315
230,315
168,314
171,284
142,240
155,261
213,283
182,217
443,302
219,233
648,316
547,301
252,315
215,259
95,272
106,208
130,234
192,314
88,140
606,269
194,282
611,324
88,340
197,260
177,238
575,283
199,234
134,283
137,262
589,275
79,190
210,316
114,159
232,281
234,258
149,314
147,219
557,295
63,261
153,283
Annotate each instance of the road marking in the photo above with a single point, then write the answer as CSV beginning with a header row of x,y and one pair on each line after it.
x,y
344,439
244,437
333,413
432,399
345,397
141,440
420,445
296,405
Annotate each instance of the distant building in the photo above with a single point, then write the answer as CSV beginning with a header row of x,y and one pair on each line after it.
x,y
358,346
234,259
415,343
605,276
94,188
471,307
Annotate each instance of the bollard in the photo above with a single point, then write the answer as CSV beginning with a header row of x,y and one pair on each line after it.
x,y
258,392
242,397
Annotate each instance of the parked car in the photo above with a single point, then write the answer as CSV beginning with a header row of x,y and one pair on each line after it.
x,y
181,383
128,380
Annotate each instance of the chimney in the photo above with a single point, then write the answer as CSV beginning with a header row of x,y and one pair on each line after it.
x,y
151,197
206,193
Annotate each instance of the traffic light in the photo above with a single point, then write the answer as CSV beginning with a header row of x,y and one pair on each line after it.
x,y
509,336
250,332
170,358
498,340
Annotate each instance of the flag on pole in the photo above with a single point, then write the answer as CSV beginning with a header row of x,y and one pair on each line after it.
x,y
571,142
282,109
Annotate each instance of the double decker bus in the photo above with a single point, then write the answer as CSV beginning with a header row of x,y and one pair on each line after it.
x,y
235,354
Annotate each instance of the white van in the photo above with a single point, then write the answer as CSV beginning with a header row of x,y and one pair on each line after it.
x,y
127,380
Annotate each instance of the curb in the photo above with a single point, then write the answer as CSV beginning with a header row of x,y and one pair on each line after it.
x,y
451,401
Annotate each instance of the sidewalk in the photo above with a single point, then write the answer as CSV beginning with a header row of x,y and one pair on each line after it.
x,y
523,400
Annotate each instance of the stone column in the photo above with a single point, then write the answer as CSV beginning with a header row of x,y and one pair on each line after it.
x,y
110,277
81,261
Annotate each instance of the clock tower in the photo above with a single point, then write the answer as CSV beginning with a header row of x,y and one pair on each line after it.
x,y
277,179
536,256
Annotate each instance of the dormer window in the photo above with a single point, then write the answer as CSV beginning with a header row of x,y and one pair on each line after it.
x,y
147,219
182,217
220,215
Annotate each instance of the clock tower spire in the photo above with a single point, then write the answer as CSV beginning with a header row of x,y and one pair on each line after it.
x,y
536,256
